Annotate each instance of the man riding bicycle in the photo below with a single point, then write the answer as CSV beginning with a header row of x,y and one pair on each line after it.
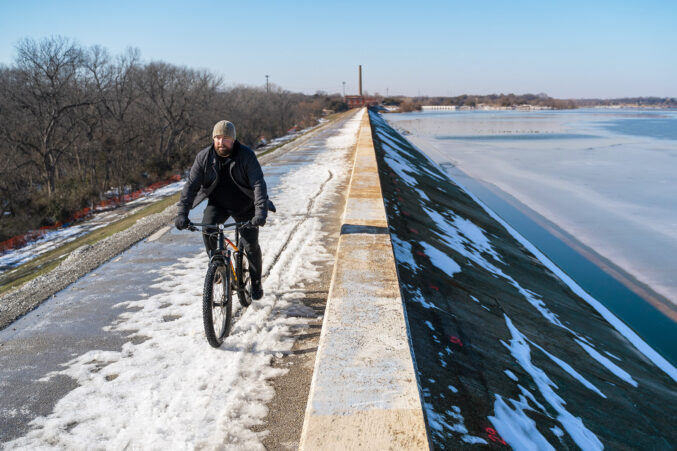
x,y
229,175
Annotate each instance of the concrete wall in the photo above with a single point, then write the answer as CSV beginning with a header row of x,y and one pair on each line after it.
x,y
364,393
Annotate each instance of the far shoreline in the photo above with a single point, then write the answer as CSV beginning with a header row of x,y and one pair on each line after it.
x,y
437,108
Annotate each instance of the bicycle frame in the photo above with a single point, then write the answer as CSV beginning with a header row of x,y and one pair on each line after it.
x,y
223,243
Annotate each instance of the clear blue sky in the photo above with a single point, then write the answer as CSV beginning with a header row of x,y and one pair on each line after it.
x,y
563,48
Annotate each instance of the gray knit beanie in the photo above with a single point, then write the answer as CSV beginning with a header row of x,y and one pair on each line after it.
x,y
224,128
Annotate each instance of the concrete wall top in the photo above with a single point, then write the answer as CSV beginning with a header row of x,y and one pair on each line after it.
x,y
364,393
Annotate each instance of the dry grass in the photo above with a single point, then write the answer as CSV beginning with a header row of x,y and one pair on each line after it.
x,y
48,261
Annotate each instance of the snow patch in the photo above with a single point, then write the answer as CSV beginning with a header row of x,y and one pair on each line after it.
x,y
520,350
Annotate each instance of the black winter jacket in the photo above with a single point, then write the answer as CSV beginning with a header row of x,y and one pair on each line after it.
x,y
245,170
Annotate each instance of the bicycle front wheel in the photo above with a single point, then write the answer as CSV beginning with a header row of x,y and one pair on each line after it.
x,y
244,279
217,302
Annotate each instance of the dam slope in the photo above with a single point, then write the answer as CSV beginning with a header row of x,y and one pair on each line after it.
x,y
508,350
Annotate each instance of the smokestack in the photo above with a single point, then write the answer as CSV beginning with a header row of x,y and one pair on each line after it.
x,y
360,80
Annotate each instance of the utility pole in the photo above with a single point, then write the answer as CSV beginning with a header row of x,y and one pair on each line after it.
x,y
344,89
267,89
387,92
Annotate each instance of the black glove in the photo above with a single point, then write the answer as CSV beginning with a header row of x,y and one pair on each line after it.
x,y
181,222
258,221
271,206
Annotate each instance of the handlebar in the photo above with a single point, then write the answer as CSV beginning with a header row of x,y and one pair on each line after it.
x,y
193,226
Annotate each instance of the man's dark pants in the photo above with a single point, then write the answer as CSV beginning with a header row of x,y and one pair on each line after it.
x,y
249,236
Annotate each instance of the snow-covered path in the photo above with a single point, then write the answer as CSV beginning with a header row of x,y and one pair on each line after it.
x,y
119,359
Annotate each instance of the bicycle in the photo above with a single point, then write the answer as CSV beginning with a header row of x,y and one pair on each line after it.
x,y
217,296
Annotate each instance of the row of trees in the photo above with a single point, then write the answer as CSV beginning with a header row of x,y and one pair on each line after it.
x,y
653,102
499,100
512,100
76,122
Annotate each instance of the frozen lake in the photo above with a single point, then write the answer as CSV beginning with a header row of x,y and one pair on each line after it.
x,y
603,181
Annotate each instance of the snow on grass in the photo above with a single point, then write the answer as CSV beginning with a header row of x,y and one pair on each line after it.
x,y
169,389
54,238
456,233
472,242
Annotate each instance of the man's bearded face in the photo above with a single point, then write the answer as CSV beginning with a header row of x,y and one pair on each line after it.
x,y
223,145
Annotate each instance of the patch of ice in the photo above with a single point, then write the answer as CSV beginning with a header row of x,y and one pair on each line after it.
x,y
417,297
572,372
511,375
612,356
608,364
440,260
516,428
401,170
465,237
439,425
473,439
557,431
403,252
423,195
520,350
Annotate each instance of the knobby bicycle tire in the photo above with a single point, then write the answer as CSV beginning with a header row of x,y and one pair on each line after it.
x,y
217,303
244,279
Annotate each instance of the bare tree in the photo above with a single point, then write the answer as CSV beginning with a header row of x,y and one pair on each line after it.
x,y
77,122
45,89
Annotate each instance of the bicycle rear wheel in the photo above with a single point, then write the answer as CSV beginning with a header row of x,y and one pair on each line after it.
x,y
217,302
244,279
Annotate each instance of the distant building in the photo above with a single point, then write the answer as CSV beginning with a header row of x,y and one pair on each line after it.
x,y
438,107
360,101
